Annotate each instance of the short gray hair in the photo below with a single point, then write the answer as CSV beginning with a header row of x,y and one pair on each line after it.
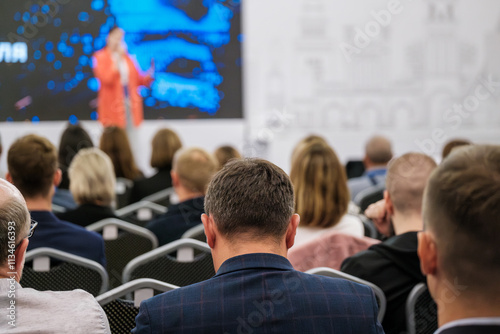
x,y
14,217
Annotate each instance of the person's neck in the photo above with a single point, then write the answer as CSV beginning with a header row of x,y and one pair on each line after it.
x,y
39,203
227,250
4,273
407,223
184,195
375,167
464,308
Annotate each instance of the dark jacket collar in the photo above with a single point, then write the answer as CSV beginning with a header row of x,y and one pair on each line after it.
x,y
254,261
194,204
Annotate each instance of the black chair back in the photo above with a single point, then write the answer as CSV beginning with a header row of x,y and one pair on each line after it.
x,y
421,311
67,272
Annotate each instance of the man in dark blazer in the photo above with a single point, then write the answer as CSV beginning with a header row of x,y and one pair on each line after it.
x,y
459,250
192,170
32,164
250,225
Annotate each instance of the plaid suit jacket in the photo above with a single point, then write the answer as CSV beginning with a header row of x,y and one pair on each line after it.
x,y
262,293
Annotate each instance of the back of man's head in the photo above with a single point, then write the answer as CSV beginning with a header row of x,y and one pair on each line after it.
x,y
406,180
378,150
14,219
251,196
32,163
461,212
195,168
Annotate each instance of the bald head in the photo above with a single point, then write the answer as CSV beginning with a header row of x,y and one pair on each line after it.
x,y
406,179
378,151
14,218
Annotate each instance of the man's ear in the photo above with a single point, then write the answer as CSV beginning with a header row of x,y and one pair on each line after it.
x,y
8,177
20,255
209,225
292,230
57,177
389,206
175,178
427,252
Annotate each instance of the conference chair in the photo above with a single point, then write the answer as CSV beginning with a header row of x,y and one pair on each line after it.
x,y
121,313
370,229
58,209
354,168
196,232
369,196
51,269
140,213
379,294
123,242
163,197
183,268
421,311
123,190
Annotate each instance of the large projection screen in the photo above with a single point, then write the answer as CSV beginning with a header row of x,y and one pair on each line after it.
x,y
46,49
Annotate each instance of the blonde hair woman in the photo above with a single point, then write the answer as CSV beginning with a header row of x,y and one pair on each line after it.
x,y
92,184
164,145
321,192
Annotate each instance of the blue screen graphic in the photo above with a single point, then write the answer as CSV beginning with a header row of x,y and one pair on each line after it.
x,y
196,47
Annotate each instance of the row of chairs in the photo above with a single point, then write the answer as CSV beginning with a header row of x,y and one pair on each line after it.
x,y
147,275
123,192
122,303
182,262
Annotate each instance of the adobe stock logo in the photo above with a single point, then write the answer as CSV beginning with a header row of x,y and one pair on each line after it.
x,y
364,37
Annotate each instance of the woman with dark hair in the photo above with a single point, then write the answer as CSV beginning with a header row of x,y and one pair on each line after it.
x,y
321,192
115,143
164,145
73,139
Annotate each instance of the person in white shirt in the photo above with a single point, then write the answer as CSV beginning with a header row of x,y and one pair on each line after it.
x,y
26,310
321,192
458,249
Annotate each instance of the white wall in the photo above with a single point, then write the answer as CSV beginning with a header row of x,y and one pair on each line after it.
x,y
432,55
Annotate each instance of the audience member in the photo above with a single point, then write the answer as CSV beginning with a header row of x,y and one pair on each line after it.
x,y
32,165
27,310
114,142
73,139
321,193
225,153
304,142
192,170
452,144
249,226
164,145
459,250
394,265
378,152
93,187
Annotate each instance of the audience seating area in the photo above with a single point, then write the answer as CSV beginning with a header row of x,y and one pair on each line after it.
x,y
421,311
141,213
123,242
51,269
122,303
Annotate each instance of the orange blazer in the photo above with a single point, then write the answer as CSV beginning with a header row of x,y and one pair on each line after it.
x,y
111,95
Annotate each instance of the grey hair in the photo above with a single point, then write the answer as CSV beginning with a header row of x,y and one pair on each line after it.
x,y
14,217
